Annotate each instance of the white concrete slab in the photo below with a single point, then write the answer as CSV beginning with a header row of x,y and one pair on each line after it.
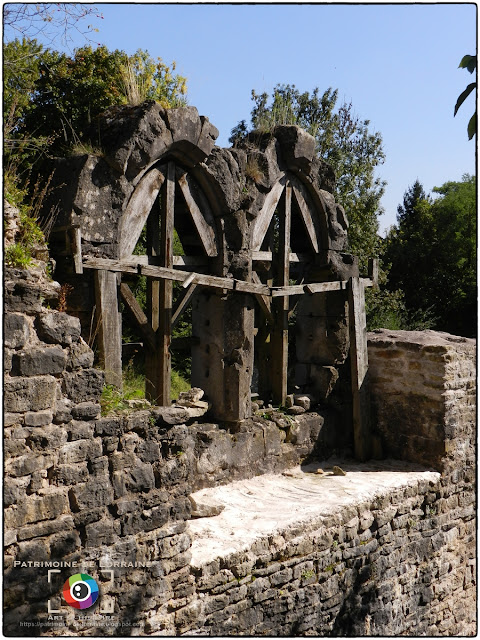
x,y
272,504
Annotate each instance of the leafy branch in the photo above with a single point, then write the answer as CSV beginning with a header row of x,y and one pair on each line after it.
x,y
470,63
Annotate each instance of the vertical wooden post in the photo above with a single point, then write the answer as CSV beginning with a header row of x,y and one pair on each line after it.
x,y
359,370
159,295
279,335
109,323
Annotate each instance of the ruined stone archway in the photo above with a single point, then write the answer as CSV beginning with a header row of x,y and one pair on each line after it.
x,y
266,232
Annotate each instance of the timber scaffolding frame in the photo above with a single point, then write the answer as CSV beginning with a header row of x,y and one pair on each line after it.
x,y
105,270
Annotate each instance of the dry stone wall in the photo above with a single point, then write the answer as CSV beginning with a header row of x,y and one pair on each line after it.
x,y
111,497
399,563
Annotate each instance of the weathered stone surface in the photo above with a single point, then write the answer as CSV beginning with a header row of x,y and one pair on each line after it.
x,y
414,377
80,450
29,394
296,410
38,418
86,411
201,509
83,386
80,355
298,146
39,361
171,415
95,493
37,508
190,397
16,330
58,328
47,438
63,411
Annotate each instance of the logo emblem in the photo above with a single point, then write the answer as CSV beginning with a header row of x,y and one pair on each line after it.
x,y
80,591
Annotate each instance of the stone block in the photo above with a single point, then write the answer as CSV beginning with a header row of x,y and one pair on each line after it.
x,y
62,411
32,549
95,493
86,411
14,489
46,528
29,394
83,386
79,451
303,401
99,533
7,360
10,419
149,451
39,361
21,296
98,466
171,415
296,410
79,430
298,146
140,478
47,438
64,544
16,331
155,517
69,474
109,427
37,508
79,356
38,418
58,328
27,464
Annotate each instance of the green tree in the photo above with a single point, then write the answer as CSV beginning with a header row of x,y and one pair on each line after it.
x,y
344,141
51,99
432,251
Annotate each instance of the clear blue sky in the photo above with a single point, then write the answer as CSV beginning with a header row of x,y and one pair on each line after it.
x,y
396,63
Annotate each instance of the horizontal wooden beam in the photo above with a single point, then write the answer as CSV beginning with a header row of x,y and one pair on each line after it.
x,y
315,287
178,261
216,282
266,256
163,273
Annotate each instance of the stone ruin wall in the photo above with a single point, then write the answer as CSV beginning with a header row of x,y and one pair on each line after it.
x,y
103,491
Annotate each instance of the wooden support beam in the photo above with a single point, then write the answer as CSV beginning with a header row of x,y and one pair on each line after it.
x,y
178,261
359,370
182,304
152,271
263,301
137,211
204,222
137,312
137,265
264,218
109,323
311,288
164,334
76,243
306,216
280,306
